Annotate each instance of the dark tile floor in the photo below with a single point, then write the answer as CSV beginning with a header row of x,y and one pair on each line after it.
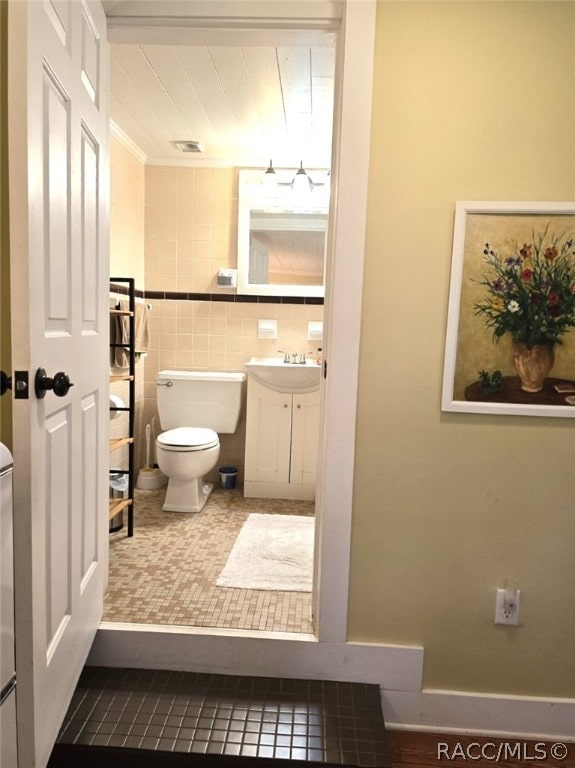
x,y
123,716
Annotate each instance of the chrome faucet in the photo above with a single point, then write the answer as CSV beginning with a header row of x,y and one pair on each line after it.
x,y
294,358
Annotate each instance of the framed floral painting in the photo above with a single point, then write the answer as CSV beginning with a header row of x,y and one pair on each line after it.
x,y
510,343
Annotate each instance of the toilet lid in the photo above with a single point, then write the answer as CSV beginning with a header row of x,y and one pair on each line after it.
x,y
192,438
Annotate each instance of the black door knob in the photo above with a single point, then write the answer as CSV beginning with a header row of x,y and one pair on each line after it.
x,y
60,384
5,382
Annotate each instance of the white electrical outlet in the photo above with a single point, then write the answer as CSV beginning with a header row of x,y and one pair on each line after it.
x,y
507,606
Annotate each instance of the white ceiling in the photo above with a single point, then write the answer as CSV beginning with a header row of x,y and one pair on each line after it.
x,y
247,93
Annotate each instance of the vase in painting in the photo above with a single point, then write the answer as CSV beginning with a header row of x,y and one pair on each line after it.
x,y
533,364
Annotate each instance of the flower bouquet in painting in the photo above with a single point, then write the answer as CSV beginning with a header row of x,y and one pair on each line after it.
x,y
530,294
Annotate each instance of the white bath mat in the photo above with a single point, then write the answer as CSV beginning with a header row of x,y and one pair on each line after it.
x,y
273,552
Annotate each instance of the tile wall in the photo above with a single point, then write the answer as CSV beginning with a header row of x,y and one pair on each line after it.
x,y
190,226
127,201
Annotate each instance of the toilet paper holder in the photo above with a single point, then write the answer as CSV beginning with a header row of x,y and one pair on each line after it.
x,y
117,405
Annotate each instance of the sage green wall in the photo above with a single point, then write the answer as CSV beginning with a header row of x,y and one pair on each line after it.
x,y
472,101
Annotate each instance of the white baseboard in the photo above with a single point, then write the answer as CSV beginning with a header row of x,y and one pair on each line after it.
x,y
257,490
480,714
256,653
398,670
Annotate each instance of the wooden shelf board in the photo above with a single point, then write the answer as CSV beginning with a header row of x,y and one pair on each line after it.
x,y
118,442
117,505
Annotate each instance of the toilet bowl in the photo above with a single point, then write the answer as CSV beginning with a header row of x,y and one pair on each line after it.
x,y
185,455
194,407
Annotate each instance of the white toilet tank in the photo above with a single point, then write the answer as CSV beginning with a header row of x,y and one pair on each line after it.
x,y
210,399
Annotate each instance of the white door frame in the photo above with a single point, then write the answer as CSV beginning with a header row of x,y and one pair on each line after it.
x,y
351,142
350,166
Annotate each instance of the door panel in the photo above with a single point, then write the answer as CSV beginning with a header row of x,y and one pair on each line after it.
x,y
57,577
58,147
58,13
268,435
305,438
56,128
90,57
90,498
90,185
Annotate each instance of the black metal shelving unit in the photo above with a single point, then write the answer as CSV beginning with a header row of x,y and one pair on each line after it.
x,y
126,286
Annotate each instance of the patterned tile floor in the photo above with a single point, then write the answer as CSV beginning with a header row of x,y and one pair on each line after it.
x,y
166,573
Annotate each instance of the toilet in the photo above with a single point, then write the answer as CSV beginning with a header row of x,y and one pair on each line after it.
x,y
194,407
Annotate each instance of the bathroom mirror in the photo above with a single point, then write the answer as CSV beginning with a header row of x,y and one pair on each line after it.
x,y
281,236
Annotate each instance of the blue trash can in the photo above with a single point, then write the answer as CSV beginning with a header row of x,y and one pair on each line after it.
x,y
228,477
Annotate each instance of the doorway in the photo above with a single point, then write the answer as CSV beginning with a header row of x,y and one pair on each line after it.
x,y
182,330
349,167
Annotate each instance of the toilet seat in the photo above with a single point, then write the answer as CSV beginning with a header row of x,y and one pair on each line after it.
x,y
188,439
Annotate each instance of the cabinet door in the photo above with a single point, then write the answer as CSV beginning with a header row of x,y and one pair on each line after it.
x,y
305,437
268,435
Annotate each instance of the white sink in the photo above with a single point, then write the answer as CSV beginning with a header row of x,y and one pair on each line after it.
x,y
272,372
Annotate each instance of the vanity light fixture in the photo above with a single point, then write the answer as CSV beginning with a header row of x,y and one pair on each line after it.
x,y
270,178
301,182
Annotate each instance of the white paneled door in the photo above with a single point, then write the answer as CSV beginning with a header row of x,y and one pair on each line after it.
x,y
58,155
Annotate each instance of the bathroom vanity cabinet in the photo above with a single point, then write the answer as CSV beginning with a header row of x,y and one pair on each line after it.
x,y
282,434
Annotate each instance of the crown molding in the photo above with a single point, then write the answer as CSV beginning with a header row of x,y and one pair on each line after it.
x,y
117,133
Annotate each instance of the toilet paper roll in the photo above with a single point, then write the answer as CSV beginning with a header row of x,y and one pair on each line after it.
x,y
116,402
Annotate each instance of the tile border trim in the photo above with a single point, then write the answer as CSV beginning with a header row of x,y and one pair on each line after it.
x,y
226,297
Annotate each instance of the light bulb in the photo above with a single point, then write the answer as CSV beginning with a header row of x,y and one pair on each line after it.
x,y
301,182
